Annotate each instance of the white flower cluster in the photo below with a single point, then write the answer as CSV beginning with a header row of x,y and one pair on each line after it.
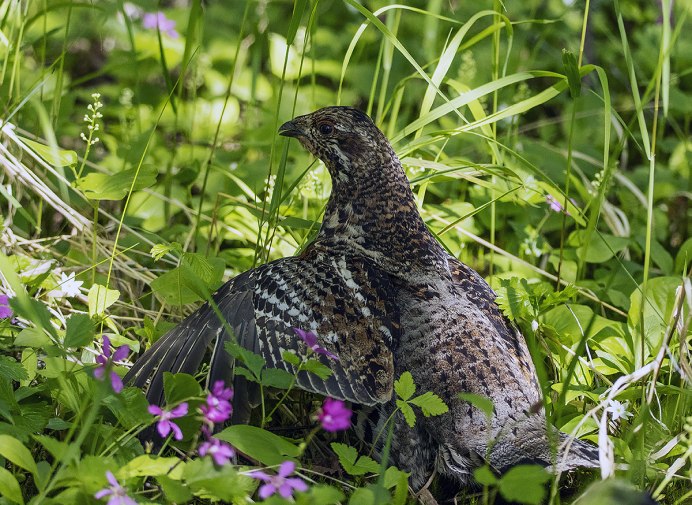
x,y
92,118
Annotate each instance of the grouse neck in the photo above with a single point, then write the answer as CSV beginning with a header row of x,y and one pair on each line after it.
x,y
376,214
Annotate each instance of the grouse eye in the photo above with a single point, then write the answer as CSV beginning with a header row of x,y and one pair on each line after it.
x,y
326,129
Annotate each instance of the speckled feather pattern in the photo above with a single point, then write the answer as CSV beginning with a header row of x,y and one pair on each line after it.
x,y
381,293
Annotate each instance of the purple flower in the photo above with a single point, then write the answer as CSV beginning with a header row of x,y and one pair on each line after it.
x,y
334,415
279,482
310,340
105,363
5,310
555,206
154,20
220,451
164,424
218,407
117,493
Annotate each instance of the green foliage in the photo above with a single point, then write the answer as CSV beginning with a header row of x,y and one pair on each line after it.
x,y
548,150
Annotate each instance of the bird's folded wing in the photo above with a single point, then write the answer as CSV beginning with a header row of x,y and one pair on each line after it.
x,y
344,300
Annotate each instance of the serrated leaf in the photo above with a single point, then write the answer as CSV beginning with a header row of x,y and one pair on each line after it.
x,y
352,463
484,476
79,331
265,447
100,298
407,411
14,451
244,372
482,403
98,186
430,404
254,362
277,378
209,270
524,484
404,386
291,358
569,62
158,251
10,369
317,367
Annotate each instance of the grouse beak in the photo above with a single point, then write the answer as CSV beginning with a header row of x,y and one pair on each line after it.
x,y
290,129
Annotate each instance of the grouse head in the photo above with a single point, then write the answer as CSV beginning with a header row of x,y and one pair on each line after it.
x,y
345,139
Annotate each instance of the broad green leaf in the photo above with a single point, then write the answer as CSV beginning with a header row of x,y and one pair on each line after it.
x,y
482,403
570,323
404,386
100,298
352,463
98,186
148,465
14,451
223,484
55,157
430,404
407,411
600,248
179,387
9,487
524,484
254,362
158,251
209,270
32,337
291,357
397,479
79,330
317,367
484,476
320,495
58,449
180,286
265,447
277,378
654,315
174,491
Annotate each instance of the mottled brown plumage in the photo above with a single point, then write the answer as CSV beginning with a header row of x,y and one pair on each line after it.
x,y
381,293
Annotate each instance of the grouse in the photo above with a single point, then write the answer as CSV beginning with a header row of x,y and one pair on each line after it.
x,y
383,295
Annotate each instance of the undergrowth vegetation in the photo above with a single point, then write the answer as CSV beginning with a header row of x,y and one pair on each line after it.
x,y
548,144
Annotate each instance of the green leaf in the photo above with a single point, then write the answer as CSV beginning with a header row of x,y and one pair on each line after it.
x,y
32,337
524,484
405,387
180,286
656,313
100,298
66,453
158,251
14,451
259,444
222,484
179,387
430,404
569,62
9,487
55,157
482,403
79,331
209,270
320,495
351,462
277,378
397,479
10,369
600,248
317,367
174,491
98,186
254,362
484,476
147,465
407,411
291,358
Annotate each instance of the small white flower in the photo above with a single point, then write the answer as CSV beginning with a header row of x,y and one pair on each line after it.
x,y
618,410
67,286
534,325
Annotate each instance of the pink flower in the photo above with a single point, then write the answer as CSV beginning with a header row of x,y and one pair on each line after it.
x,y
280,482
220,451
105,363
218,408
555,206
152,21
310,340
164,425
117,493
5,310
334,415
